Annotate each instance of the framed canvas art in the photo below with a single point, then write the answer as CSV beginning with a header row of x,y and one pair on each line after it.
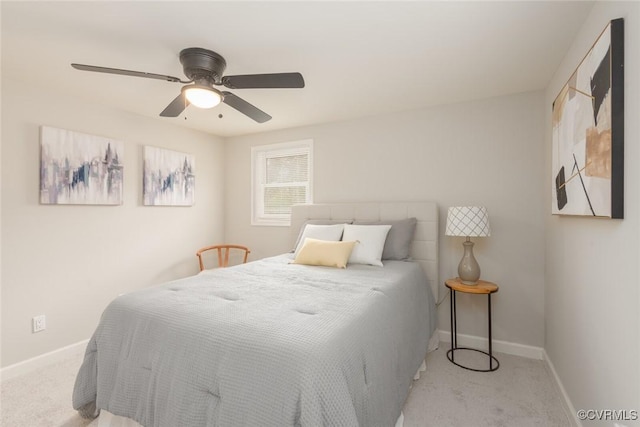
x,y
588,132
168,178
79,169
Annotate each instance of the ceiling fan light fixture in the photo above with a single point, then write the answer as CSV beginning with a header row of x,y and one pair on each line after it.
x,y
202,96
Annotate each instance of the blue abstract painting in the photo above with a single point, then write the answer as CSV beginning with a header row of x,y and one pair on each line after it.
x,y
169,178
79,169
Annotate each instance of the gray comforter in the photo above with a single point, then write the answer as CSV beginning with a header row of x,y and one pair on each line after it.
x,y
266,343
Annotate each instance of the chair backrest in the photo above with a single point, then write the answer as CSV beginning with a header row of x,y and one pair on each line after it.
x,y
223,254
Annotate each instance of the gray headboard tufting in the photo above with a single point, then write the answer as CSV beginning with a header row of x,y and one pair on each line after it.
x,y
424,248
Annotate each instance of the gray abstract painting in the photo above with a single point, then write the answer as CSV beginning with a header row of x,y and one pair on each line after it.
x,y
79,169
169,178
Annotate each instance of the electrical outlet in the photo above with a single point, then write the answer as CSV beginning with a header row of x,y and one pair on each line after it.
x,y
39,323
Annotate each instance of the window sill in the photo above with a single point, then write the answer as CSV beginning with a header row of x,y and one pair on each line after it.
x,y
271,222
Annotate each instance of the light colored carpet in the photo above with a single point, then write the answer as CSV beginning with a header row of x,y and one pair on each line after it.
x,y
520,393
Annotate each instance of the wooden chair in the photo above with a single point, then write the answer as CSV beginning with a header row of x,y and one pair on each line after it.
x,y
223,261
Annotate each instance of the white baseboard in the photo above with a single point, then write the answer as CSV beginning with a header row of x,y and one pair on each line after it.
x,y
43,360
506,347
566,402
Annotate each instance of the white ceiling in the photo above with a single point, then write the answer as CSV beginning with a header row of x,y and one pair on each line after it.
x,y
358,58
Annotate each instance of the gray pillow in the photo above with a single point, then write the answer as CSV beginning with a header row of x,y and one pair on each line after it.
x,y
398,242
319,222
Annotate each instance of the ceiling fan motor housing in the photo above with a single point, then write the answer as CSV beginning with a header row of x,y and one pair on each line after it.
x,y
202,64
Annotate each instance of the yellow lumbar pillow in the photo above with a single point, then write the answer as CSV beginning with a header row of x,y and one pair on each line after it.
x,y
325,253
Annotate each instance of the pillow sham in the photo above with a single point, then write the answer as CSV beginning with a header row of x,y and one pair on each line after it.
x,y
325,253
320,232
317,222
398,243
370,240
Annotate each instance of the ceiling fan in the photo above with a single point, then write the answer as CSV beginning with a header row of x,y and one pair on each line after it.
x,y
204,69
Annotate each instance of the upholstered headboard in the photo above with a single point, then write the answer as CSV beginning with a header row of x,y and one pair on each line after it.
x,y
424,248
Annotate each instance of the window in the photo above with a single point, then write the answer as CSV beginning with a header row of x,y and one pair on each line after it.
x,y
281,176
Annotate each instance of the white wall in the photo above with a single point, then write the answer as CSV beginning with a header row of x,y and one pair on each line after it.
x,y
68,262
480,153
592,297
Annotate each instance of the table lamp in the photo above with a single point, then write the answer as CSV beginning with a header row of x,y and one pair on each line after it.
x,y
468,221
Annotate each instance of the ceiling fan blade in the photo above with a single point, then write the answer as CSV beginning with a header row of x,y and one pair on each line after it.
x,y
176,106
245,108
84,67
264,81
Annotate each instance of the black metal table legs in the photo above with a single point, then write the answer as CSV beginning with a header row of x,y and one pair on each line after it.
x,y
454,338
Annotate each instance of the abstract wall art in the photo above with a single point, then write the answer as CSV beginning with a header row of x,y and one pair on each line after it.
x,y
169,178
79,169
588,132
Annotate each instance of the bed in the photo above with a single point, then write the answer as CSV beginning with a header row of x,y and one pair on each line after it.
x,y
270,343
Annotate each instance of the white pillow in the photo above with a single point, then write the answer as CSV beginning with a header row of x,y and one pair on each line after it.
x,y
318,222
371,240
320,232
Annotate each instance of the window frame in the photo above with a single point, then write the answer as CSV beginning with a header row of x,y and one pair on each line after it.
x,y
259,156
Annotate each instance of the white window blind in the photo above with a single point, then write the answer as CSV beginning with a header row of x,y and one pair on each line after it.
x,y
282,175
